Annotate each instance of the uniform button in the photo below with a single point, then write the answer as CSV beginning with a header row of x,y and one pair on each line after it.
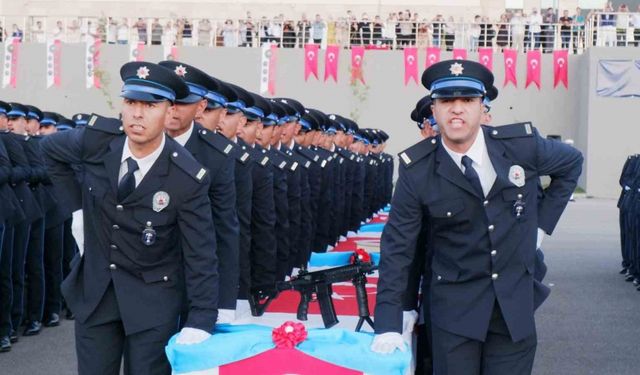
x,y
485,203
519,196
494,253
165,278
113,247
448,214
119,207
433,141
113,266
90,188
204,132
115,226
175,154
439,277
491,227
494,276
495,132
121,128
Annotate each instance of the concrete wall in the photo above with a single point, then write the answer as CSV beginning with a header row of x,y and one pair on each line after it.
x,y
601,127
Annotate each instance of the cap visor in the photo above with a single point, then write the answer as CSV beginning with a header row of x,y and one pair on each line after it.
x,y
190,99
456,92
142,96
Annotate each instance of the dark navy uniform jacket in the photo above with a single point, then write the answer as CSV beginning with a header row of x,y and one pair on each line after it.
x,y
9,204
294,196
216,154
244,191
150,280
482,251
20,176
279,166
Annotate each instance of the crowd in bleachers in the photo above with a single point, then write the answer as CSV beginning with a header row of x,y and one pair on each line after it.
x,y
538,29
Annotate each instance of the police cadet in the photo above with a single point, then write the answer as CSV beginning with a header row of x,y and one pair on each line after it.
x,y
215,154
484,214
279,168
630,185
262,253
149,239
282,139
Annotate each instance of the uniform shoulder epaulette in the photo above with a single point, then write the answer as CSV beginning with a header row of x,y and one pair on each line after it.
x,y
217,141
346,153
241,154
105,124
308,154
187,163
278,160
418,151
521,129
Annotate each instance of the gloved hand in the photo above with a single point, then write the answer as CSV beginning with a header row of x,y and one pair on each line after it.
x,y
190,336
77,230
243,310
226,316
541,235
387,343
409,319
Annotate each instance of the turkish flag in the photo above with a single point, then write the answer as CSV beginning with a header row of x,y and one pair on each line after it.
x,y
331,62
459,54
485,57
433,56
311,60
534,59
410,64
510,61
273,60
561,68
357,60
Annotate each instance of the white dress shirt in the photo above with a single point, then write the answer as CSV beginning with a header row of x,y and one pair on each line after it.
x,y
144,164
481,162
184,137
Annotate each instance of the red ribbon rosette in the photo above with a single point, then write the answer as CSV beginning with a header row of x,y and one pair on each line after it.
x,y
360,255
288,335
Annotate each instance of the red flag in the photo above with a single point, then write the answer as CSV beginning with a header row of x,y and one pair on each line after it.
x,y
510,61
10,71
311,60
96,61
561,68
331,62
410,64
357,57
534,58
136,51
459,54
272,69
433,56
485,57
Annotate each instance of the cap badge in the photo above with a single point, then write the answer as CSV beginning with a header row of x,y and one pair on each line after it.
x,y
143,72
160,201
456,69
516,175
180,71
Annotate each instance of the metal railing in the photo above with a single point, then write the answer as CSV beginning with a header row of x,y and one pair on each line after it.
x,y
599,29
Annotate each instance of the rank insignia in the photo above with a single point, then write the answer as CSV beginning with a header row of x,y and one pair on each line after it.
x,y
160,201
149,235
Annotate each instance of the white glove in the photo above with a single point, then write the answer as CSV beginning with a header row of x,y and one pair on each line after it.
x,y
409,319
387,343
77,230
226,316
541,235
295,271
243,310
190,336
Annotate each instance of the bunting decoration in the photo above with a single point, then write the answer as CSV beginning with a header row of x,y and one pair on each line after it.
x,y
268,69
54,50
561,68
433,56
510,61
331,62
357,60
136,51
92,58
170,52
534,58
459,54
410,65
11,53
311,60
485,57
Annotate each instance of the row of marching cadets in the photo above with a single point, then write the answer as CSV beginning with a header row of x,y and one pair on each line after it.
x,y
627,204
36,235
198,195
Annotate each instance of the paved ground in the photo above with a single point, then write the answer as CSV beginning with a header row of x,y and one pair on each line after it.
x,y
589,325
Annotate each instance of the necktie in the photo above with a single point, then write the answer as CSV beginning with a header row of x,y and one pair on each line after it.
x,y
128,183
471,175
